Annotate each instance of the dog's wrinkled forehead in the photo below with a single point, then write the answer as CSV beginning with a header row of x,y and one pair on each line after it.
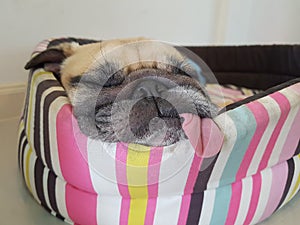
x,y
126,54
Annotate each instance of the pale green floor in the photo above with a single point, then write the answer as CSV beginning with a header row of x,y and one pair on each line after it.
x,y
17,207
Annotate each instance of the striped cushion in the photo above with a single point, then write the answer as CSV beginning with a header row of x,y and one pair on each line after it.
x,y
87,182
224,95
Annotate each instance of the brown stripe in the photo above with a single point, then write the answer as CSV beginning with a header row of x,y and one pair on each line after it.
x,y
51,185
195,208
48,100
37,114
20,148
199,188
204,174
60,217
38,179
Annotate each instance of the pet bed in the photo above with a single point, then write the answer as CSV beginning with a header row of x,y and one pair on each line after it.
x,y
255,172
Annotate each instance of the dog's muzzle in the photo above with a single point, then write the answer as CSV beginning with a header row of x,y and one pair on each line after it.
x,y
146,110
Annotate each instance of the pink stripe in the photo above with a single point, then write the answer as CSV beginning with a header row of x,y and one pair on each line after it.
x,y
72,150
153,180
279,177
150,212
254,198
186,198
234,202
292,140
184,209
193,174
121,159
121,171
262,121
284,106
125,207
81,206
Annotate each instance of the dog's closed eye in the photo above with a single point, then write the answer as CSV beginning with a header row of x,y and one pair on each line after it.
x,y
74,81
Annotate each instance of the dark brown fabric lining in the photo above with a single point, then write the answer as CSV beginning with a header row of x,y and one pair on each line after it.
x,y
261,81
259,66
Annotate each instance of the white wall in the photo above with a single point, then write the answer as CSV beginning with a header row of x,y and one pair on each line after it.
x,y
262,21
25,22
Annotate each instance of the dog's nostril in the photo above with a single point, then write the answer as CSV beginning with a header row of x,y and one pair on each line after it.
x,y
148,88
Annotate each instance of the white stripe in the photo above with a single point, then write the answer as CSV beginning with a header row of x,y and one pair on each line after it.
x,y
227,126
31,165
60,195
167,210
274,113
172,182
102,165
105,206
266,176
41,124
45,187
290,95
30,176
247,186
174,168
55,107
208,207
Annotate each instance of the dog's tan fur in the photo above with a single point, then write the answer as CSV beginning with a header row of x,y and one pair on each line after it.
x,y
82,58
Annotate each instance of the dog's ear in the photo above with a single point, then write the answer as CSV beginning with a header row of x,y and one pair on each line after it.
x,y
52,58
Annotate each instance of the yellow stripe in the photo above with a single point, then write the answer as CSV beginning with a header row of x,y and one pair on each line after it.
x,y
137,178
27,162
21,128
247,92
296,185
27,159
32,95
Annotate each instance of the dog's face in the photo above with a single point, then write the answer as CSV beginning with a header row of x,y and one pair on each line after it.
x,y
130,90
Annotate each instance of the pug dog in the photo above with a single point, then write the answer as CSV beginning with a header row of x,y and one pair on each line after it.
x,y
130,90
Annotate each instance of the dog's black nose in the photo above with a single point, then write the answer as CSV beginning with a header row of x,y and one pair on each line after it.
x,y
149,88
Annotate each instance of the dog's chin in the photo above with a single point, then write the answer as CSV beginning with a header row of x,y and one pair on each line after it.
x,y
164,137
159,132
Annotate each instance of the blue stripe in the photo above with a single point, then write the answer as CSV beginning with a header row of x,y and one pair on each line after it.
x,y
221,205
245,124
